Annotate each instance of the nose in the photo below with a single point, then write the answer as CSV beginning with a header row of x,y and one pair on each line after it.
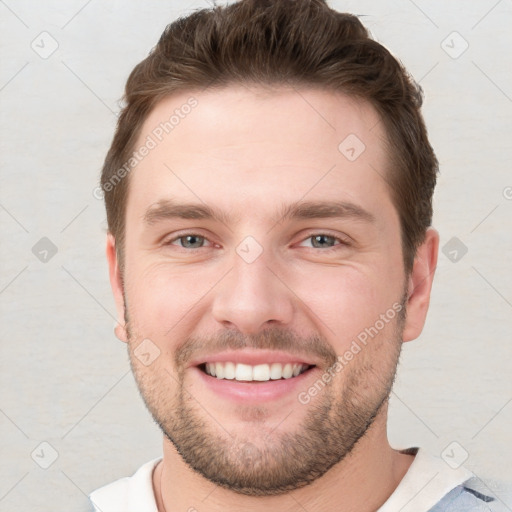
x,y
252,297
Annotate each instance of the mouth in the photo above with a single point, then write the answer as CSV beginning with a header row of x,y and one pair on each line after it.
x,y
249,376
265,372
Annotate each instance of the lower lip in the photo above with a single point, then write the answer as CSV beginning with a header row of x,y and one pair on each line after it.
x,y
239,391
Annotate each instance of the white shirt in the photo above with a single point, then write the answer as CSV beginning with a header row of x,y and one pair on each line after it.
x,y
428,481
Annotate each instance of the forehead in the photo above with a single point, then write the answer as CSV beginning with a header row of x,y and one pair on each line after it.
x,y
241,147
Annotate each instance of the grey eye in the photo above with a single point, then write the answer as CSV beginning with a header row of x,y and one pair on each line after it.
x,y
191,241
321,240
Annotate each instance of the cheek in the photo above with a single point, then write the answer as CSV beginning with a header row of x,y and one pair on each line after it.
x,y
162,298
343,301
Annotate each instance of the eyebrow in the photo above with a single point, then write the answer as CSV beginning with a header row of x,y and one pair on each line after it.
x,y
301,210
324,210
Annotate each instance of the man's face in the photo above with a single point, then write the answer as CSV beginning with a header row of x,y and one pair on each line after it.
x,y
258,287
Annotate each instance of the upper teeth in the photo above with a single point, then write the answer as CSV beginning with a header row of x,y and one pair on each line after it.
x,y
260,372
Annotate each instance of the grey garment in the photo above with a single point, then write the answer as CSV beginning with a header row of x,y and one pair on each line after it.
x,y
464,498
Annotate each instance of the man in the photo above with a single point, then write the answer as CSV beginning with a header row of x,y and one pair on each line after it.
x,y
269,200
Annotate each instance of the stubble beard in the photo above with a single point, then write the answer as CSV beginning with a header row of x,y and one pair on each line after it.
x,y
265,460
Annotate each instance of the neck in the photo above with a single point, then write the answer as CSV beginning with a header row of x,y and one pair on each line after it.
x,y
362,482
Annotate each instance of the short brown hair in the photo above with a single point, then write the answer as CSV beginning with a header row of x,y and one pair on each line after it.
x,y
297,43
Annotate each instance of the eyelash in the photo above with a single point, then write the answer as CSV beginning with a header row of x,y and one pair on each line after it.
x,y
342,241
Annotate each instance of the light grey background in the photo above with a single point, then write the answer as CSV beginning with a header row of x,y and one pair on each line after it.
x,y
65,378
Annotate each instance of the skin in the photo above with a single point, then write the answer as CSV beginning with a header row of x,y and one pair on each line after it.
x,y
246,152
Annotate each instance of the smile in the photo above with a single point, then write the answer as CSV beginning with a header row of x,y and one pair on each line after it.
x,y
249,373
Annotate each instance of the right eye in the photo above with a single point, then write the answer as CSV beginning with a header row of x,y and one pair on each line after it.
x,y
190,241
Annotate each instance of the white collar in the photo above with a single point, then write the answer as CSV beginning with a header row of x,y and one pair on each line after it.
x,y
427,480
128,494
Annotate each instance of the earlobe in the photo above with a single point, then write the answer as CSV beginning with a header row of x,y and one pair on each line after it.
x,y
120,332
116,284
420,285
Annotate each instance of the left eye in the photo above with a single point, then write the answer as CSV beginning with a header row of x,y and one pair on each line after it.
x,y
319,241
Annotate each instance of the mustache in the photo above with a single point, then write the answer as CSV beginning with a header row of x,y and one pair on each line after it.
x,y
271,338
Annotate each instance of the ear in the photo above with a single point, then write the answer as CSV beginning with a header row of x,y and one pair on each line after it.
x,y
420,285
116,283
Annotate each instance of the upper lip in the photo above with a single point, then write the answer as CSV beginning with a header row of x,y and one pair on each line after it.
x,y
253,357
